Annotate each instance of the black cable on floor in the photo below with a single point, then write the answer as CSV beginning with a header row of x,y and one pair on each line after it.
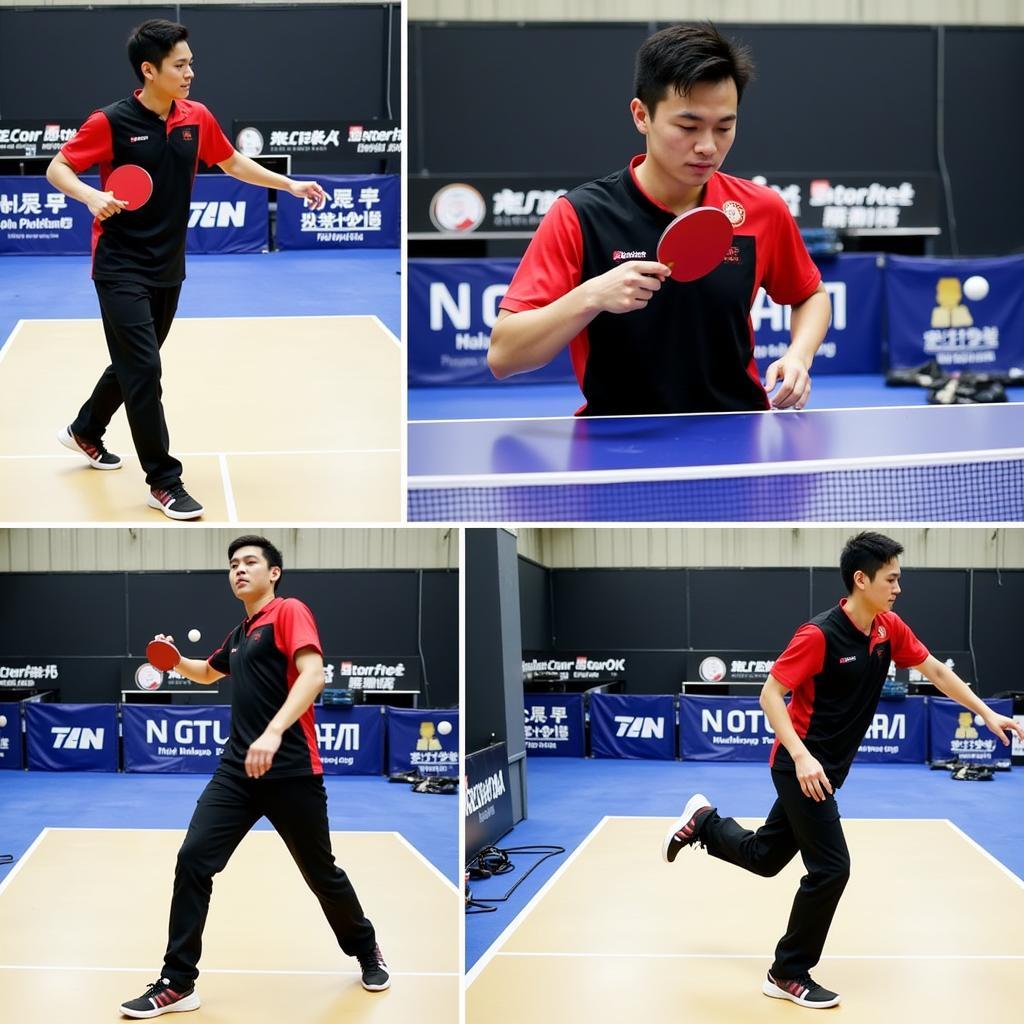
x,y
498,861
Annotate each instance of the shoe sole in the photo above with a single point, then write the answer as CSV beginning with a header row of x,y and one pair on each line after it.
x,y
376,988
697,801
69,442
777,993
170,513
181,1006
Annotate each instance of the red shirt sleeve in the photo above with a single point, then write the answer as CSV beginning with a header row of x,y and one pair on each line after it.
x,y
907,650
790,273
91,144
552,264
803,659
220,660
295,628
213,143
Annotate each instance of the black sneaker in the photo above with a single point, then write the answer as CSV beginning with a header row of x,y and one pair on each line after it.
x,y
804,991
160,998
98,456
175,502
375,971
686,828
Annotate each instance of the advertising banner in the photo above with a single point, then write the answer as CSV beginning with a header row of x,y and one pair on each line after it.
x,y
227,215
554,725
162,738
576,667
898,733
71,737
415,743
330,143
35,138
36,219
853,342
351,740
930,316
636,726
376,675
10,737
453,304
723,729
955,732
488,798
362,212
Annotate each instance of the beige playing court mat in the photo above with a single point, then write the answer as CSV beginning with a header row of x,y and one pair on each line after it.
x,y
930,929
275,419
84,919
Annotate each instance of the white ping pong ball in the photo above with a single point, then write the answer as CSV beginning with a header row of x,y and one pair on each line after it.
x,y
3,721
444,728
194,635
976,288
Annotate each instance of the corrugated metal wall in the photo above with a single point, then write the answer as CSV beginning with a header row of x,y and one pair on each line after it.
x,y
939,547
929,12
43,550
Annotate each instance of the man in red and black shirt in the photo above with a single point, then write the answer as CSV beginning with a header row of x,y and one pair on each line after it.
x,y
138,256
639,341
834,666
270,767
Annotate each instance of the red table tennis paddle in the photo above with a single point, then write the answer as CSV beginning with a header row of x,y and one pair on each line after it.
x,y
131,184
695,243
162,654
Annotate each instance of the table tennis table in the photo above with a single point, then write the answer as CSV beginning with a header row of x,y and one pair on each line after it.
x,y
903,463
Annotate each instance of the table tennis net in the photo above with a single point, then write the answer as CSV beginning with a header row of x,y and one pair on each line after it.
x,y
987,491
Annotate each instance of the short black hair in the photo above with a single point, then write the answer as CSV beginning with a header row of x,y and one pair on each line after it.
x,y
270,552
152,41
682,56
867,552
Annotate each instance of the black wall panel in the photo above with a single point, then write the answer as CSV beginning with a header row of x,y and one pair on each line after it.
x,y
998,620
315,62
62,613
619,608
535,605
440,636
732,609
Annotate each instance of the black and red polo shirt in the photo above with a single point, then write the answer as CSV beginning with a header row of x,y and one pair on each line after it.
x,y
692,348
148,244
259,655
836,674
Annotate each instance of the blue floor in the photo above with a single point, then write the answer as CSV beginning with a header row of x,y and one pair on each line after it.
x,y
363,282
567,797
838,391
31,801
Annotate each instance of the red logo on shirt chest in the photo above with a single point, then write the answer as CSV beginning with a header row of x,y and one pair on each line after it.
x,y
186,134
881,633
255,636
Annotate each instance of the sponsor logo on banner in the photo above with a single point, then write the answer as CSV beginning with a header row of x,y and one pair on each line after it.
x,y
768,315
74,737
712,670
458,207
148,677
488,807
484,794
33,138
545,727
216,214
378,675
19,676
736,725
517,210
580,667
640,727
249,142
33,215
187,737
955,337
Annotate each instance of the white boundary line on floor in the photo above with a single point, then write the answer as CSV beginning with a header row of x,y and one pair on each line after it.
x,y
492,950
229,494
981,849
432,867
6,346
213,455
22,859
769,956
221,970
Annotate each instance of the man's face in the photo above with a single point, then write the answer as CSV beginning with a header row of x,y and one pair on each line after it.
x,y
688,136
880,593
249,574
174,76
